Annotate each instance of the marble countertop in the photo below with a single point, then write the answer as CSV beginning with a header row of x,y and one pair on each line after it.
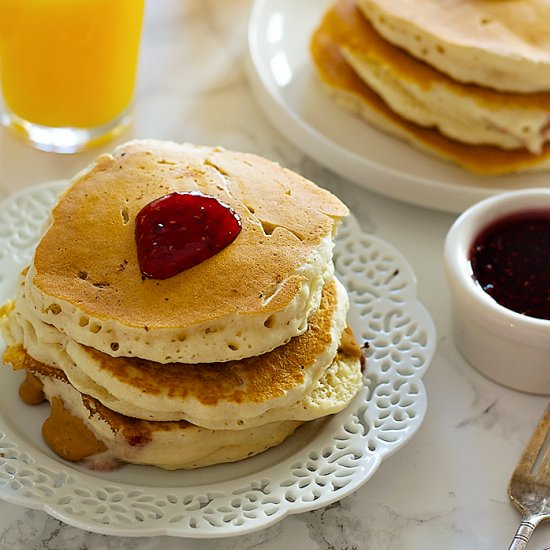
x,y
446,489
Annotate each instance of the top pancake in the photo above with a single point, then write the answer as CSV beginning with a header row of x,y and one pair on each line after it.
x,y
502,44
249,298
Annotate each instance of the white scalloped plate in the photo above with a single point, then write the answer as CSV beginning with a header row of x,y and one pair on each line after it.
x,y
322,462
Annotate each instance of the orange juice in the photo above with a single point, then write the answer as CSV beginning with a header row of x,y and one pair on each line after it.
x,y
69,63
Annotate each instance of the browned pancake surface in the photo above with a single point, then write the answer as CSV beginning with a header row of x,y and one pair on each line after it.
x,y
252,380
255,379
134,429
88,256
344,24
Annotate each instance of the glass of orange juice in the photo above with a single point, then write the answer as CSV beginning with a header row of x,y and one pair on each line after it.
x,y
68,69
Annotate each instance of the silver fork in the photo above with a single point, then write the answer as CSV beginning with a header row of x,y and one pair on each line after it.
x,y
529,488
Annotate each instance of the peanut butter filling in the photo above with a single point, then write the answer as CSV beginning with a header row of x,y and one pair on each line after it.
x,y
30,390
350,348
67,435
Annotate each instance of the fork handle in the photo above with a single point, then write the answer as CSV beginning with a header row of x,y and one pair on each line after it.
x,y
524,532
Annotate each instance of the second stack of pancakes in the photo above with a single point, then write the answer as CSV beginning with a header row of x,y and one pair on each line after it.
x,y
466,80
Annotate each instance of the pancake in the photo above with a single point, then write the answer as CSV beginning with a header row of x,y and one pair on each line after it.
x,y
249,298
213,364
80,428
341,26
230,395
502,44
467,113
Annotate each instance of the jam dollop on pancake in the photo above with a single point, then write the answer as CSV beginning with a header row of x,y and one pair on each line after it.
x,y
247,299
180,230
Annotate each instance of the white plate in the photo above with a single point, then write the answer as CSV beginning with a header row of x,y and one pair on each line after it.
x,y
322,462
289,92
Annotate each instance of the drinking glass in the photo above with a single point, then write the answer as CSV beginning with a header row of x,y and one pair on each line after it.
x,y
68,69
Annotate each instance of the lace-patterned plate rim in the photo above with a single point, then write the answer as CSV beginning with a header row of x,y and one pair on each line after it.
x,y
322,462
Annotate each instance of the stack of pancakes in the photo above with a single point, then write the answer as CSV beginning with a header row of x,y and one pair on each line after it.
x,y
215,364
468,80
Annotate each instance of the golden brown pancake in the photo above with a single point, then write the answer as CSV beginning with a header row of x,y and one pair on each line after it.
x,y
257,379
80,428
344,25
501,44
250,297
111,400
88,327
215,395
423,95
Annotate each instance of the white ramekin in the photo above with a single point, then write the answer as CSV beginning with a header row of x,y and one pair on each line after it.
x,y
508,347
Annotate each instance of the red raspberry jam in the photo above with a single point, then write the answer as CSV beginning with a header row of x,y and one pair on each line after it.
x,y
511,261
180,230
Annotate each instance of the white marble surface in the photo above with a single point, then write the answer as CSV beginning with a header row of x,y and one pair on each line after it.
x,y
446,489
